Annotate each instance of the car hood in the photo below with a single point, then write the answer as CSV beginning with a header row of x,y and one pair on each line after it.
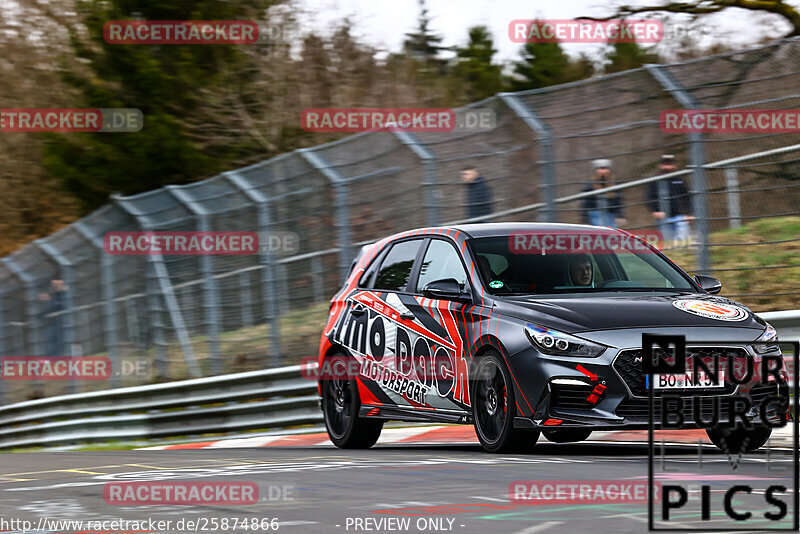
x,y
588,312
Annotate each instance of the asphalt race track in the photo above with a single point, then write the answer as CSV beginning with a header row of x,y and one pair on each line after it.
x,y
435,488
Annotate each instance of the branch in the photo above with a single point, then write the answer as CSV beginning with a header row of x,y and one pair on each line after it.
x,y
709,7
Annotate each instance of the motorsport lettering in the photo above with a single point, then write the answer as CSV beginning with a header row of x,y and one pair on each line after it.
x,y
393,380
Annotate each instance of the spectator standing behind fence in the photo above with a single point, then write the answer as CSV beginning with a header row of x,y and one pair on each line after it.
x,y
53,302
604,209
479,195
670,203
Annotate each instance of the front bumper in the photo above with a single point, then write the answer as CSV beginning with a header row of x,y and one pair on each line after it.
x,y
611,392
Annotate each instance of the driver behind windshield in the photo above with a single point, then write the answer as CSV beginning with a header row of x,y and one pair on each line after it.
x,y
581,271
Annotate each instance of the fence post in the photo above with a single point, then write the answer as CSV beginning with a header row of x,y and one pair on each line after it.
x,y
265,258
342,209
734,207
155,312
433,197
68,325
106,281
282,294
160,273
31,306
316,279
696,162
546,152
244,294
210,285
132,321
3,350
34,337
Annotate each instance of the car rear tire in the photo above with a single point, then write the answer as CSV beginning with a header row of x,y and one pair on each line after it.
x,y
340,407
567,435
738,440
494,408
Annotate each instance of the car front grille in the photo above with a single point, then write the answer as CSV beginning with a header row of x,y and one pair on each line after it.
x,y
628,364
636,409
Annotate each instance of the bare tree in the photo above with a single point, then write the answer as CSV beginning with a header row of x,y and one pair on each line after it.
x,y
709,7
32,36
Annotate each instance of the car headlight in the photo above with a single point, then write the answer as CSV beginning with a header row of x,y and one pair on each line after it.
x,y
549,341
770,334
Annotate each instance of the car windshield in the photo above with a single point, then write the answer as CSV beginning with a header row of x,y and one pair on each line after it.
x,y
569,262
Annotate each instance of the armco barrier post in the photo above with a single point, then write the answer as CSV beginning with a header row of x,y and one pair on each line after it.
x,y
210,284
155,314
159,273
430,181
271,315
282,293
33,333
316,279
246,305
696,162
734,207
3,349
107,284
546,152
341,192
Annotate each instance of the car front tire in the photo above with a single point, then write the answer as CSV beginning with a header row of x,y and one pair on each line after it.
x,y
494,407
340,407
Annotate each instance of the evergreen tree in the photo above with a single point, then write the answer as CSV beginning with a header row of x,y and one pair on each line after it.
x,y
474,67
422,44
581,68
164,81
627,56
542,64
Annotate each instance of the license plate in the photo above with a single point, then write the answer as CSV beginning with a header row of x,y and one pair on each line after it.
x,y
687,381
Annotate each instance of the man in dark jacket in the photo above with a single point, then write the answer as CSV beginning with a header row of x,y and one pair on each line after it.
x,y
670,203
479,196
603,209
53,302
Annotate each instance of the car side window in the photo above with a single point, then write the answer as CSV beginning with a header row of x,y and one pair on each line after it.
x,y
396,267
441,261
368,274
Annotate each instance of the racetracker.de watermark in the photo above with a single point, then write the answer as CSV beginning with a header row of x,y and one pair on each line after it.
x,y
189,493
203,32
580,491
397,119
585,31
62,120
54,368
584,242
181,243
180,32
730,120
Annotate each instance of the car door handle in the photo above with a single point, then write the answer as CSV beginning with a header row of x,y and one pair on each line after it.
x,y
407,316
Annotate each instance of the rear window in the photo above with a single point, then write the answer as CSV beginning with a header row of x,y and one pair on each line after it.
x,y
395,269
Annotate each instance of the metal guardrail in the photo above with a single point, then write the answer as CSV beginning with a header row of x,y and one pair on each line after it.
x,y
274,398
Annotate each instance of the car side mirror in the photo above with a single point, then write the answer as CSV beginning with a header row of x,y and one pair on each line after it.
x,y
708,283
445,289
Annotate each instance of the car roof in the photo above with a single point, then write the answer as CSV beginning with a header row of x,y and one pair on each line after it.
x,y
506,228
